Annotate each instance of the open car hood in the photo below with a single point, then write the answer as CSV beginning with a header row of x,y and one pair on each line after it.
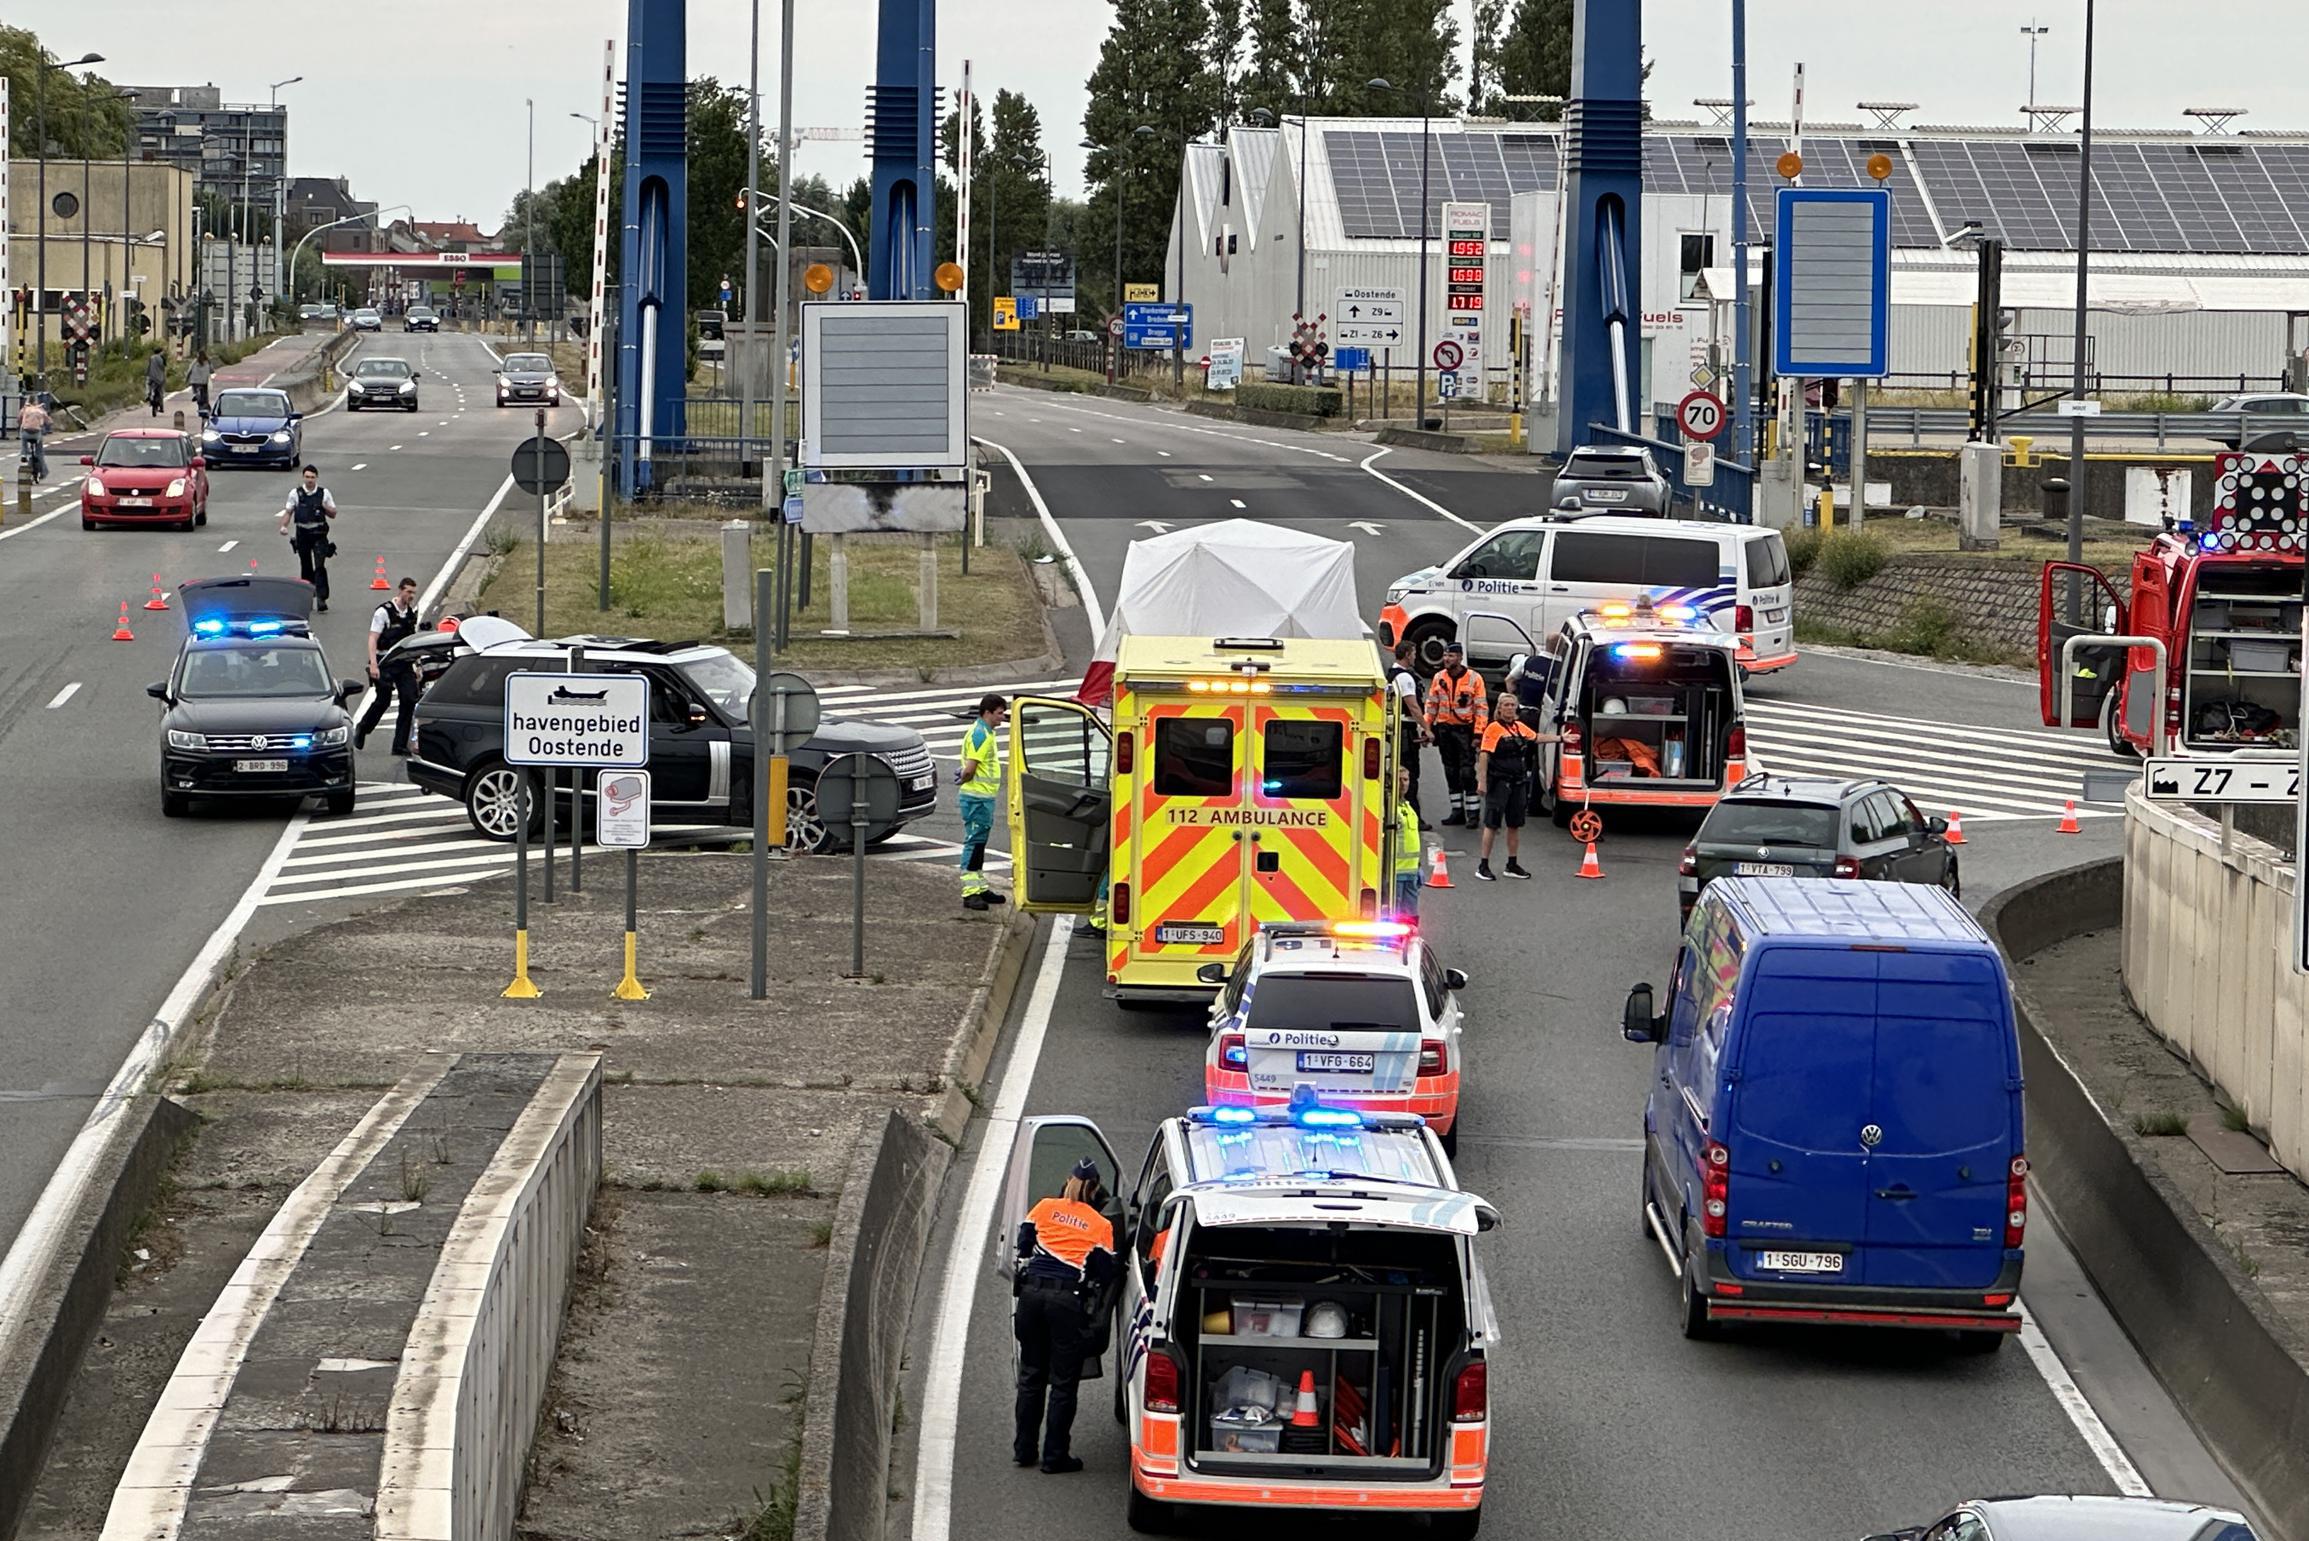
x,y
247,597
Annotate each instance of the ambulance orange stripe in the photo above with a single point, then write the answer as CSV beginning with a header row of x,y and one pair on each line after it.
x,y
1322,853
1260,1493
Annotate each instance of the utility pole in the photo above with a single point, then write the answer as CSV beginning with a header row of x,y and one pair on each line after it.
x,y
1743,326
2032,32
529,237
281,190
774,476
2076,423
753,306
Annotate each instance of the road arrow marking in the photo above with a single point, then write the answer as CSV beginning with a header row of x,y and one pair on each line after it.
x,y
1367,527
1155,525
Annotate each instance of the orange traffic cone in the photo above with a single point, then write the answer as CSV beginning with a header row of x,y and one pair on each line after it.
x,y
1438,875
1303,1416
1589,867
121,633
2068,823
159,601
379,582
1956,827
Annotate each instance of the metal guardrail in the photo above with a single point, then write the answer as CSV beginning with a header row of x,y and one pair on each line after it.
x,y
1891,425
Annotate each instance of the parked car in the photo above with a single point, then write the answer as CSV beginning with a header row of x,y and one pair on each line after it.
x,y
2083,1517
1816,826
528,377
252,426
381,382
1612,479
144,476
701,746
2265,412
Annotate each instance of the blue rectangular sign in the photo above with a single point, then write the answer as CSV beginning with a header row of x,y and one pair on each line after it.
x,y
1351,361
1831,310
1028,307
1158,324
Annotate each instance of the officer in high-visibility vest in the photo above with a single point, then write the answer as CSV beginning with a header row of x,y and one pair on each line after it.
x,y
981,777
1406,848
1066,1266
1457,713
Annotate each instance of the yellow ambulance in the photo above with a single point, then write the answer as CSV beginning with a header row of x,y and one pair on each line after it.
x,y
1243,779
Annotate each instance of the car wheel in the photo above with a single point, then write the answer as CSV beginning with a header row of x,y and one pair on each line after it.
x,y
1147,1516
1693,1306
1456,1527
1953,880
1981,1342
87,523
174,805
494,797
340,803
805,831
2112,730
1449,1140
1428,639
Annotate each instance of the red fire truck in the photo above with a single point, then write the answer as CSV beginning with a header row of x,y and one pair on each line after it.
x,y
2227,601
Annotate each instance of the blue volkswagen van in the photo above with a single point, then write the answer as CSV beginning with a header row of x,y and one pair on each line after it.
x,y
1834,1128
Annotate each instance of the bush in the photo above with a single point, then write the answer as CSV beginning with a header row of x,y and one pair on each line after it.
x,y
1803,550
1928,626
1305,400
1849,560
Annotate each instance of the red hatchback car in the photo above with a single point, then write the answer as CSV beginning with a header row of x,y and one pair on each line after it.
x,y
144,476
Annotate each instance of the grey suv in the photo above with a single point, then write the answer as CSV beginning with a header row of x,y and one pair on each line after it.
x,y
1612,479
701,753
1813,826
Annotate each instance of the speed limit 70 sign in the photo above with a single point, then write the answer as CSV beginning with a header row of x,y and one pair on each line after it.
x,y
1700,415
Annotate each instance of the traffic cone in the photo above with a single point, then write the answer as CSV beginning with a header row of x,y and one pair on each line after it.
x,y
159,601
379,582
1438,875
1956,827
1303,1416
1589,867
2068,823
121,633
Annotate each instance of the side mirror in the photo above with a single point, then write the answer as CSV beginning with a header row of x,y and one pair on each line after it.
x,y
88,460
697,716
350,690
1638,1025
296,417
1212,973
1936,825
158,690
1454,979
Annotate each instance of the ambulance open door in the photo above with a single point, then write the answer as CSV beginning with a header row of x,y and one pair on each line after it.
x,y
1060,804
1043,1153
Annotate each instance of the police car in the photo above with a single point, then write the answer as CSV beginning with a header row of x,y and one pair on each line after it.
x,y
1303,1323
250,709
1361,1011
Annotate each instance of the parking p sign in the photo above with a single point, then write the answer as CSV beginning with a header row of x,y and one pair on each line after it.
x,y
577,719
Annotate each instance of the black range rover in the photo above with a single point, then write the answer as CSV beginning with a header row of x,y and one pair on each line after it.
x,y
701,751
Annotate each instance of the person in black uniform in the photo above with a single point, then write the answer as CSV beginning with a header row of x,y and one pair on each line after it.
x,y
1066,1271
305,521
1412,724
394,621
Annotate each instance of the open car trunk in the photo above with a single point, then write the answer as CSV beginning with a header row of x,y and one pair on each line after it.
x,y
1674,730
1250,1302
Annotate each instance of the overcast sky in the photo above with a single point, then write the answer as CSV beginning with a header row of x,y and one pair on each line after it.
x,y
420,101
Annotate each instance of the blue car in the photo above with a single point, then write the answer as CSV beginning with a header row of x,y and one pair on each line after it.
x,y
1834,1129
252,426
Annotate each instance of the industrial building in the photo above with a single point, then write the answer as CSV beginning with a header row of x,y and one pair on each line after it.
x,y
2200,239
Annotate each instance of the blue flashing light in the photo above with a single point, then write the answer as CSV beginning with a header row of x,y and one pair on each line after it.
x,y
1234,1116
301,741
1326,1118
263,628
1235,1057
1635,650
208,628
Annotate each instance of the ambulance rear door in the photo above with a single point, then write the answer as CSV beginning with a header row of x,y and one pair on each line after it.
x,y
1187,785
1316,805
1060,804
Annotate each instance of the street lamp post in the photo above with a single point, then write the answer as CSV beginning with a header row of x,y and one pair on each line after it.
x,y
2076,424
856,255
40,261
2032,32
1426,109
529,236
280,184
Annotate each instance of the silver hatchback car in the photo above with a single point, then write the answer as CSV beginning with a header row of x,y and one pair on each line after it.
x,y
1612,479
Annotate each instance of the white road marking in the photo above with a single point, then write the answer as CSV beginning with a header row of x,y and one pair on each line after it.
x,y
1166,454
1074,430
1238,502
424,433
64,695
1416,497
363,466
1082,587
32,524
396,446
1205,475
1118,441
2080,1412
227,546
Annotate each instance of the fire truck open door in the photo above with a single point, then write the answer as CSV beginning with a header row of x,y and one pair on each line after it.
x,y
2098,669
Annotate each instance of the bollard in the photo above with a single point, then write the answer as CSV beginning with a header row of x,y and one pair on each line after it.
x,y
2056,490
737,576
24,489
929,579
838,584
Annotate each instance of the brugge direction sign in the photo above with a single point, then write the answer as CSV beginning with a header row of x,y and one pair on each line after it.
x,y
1160,325
2231,778
577,719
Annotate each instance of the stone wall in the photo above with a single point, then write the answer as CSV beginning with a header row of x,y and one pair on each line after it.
x,y
1993,598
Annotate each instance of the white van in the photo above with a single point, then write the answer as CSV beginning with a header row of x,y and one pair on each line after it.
x,y
1520,581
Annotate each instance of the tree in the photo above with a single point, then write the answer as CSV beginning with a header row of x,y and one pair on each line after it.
x,y
1274,75
1009,197
1534,57
85,113
1411,44
1226,49
717,179
1483,88
1154,72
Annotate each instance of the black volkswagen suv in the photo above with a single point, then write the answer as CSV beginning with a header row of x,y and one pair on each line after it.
x,y
1816,826
701,751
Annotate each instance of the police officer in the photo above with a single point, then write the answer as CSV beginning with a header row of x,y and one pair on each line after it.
x,y
981,777
305,521
1504,773
1066,1265
1413,731
1457,713
394,620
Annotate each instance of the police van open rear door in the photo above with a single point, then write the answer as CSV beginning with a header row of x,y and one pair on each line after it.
x,y
1060,804
1041,1156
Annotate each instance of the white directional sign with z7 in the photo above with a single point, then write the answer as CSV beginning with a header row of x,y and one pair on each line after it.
x,y
1369,318
2227,779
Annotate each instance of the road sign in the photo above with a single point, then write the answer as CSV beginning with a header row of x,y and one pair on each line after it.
x,y
2069,407
1831,303
792,508
1114,326
1448,354
800,699
1161,325
577,719
1703,375
1351,361
1005,313
540,465
1141,294
621,809
1447,385
1029,307
1226,371
2229,778
1700,463
1700,415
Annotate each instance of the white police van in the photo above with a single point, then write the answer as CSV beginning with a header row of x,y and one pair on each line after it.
x,y
1521,580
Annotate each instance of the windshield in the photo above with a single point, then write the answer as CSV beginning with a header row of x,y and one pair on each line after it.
x,y
252,404
1340,1002
528,364
168,452
1771,824
724,679
385,368
1604,467
420,310
256,671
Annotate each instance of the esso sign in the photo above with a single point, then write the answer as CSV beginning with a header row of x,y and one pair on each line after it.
x,y
1700,415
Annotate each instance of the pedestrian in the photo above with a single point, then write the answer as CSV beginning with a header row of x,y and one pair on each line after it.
x,y
980,774
1504,771
155,378
32,425
393,620
1457,714
305,521
1413,731
196,376
1407,882
1066,1264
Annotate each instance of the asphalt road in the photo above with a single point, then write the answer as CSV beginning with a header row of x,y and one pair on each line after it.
x,y
107,903
1605,1422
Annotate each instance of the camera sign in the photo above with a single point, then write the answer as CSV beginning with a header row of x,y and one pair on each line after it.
x,y
577,719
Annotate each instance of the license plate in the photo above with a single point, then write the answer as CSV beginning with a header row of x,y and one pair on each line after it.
x,y
136,502
923,783
258,767
243,449
1605,495
1763,869
1803,1262
1774,617
1325,1059
1191,936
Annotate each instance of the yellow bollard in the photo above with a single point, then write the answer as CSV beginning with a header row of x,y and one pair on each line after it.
x,y
629,988
522,989
1827,509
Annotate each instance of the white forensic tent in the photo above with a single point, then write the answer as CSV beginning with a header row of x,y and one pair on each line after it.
x,y
1236,578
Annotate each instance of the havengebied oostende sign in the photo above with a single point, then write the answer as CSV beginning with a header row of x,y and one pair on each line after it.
x,y
577,719
585,737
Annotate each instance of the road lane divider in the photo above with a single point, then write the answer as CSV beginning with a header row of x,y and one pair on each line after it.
x,y
1370,468
64,695
1082,585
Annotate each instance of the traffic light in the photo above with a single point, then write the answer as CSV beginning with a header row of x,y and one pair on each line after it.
x,y
138,321
741,200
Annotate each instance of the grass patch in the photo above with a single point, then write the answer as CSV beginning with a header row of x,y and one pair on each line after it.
x,y
1903,537
1848,559
2233,1120
821,1235
669,587
2164,1124
710,1181
1803,550
778,1183
1928,629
